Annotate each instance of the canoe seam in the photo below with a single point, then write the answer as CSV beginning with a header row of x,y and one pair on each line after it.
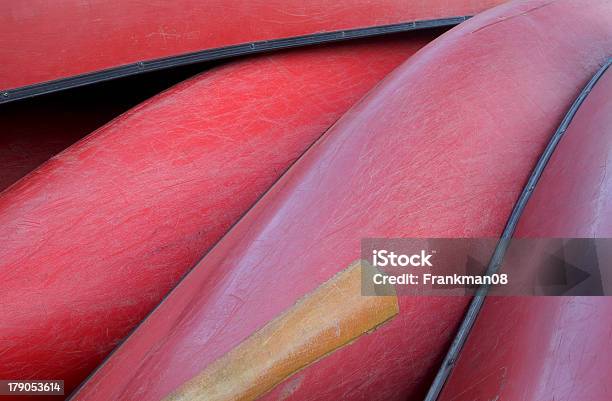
x,y
504,241
140,67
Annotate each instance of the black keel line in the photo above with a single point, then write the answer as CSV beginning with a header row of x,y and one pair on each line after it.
x,y
9,95
504,241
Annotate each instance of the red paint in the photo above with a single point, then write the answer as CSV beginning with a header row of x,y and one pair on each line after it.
x,y
541,349
441,148
536,349
42,40
94,238
574,196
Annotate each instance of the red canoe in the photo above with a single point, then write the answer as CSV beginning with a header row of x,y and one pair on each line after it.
x,y
408,161
552,348
93,239
55,41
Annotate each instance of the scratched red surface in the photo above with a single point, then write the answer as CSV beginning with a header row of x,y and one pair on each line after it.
x,y
542,349
94,238
42,40
441,148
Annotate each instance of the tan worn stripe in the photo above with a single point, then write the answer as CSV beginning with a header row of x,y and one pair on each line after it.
x,y
330,317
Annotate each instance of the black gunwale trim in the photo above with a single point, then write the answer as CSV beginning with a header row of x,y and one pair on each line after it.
x,y
504,241
219,53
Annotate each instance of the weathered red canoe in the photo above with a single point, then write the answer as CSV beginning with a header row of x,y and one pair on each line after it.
x,y
93,239
552,348
44,41
441,148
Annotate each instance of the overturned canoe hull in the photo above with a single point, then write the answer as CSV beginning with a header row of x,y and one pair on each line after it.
x,y
120,216
101,40
405,162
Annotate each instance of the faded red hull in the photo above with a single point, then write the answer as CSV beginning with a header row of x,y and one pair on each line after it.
x,y
408,161
64,38
101,232
540,349
573,199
